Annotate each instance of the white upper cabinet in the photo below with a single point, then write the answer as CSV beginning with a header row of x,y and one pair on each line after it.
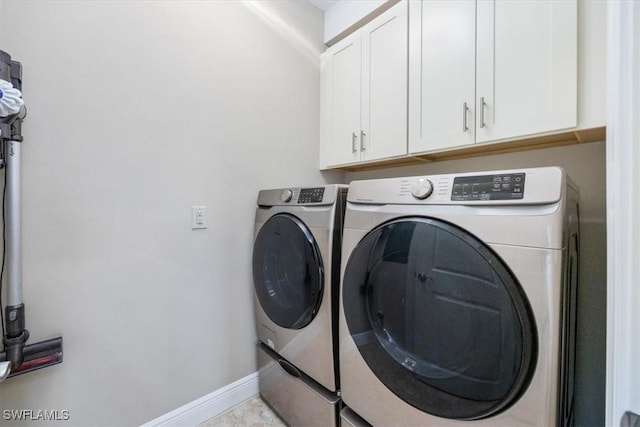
x,y
342,75
487,70
364,92
442,61
384,85
527,67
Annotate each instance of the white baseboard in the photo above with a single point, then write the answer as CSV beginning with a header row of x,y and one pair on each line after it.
x,y
206,407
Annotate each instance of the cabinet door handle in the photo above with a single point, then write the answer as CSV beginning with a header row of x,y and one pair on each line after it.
x,y
354,137
362,135
482,104
465,108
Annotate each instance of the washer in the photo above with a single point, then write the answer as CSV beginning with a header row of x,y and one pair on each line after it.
x,y
296,258
458,302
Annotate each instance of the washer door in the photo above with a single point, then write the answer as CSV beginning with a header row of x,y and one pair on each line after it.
x,y
439,318
287,271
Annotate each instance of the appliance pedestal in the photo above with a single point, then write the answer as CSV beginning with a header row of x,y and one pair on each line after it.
x,y
294,396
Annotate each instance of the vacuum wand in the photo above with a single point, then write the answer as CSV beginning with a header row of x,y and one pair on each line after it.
x,y
15,334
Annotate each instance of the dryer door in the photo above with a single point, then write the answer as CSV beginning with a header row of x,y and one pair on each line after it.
x,y
439,318
287,271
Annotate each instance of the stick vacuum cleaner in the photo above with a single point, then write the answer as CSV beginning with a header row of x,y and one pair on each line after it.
x,y
17,357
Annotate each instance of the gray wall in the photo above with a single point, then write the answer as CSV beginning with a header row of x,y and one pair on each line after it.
x,y
136,112
585,164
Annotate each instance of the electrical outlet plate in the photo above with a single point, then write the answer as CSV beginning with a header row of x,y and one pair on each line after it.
x,y
198,217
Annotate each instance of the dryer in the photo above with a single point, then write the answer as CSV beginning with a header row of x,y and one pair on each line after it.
x,y
296,258
458,299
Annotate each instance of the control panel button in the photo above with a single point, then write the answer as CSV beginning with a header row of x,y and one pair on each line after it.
x,y
286,196
422,188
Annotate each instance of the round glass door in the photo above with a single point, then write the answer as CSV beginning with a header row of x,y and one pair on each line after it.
x,y
439,318
287,271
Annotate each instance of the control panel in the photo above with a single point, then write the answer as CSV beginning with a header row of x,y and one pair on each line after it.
x,y
305,195
302,196
508,186
527,186
311,195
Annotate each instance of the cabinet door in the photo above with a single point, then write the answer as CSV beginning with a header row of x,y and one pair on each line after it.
x,y
441,74
526,67
342,92
384,85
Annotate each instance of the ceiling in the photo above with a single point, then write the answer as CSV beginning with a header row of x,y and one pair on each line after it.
x,y
323,4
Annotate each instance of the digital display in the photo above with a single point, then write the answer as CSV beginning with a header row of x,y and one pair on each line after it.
x,y
488,187
311,195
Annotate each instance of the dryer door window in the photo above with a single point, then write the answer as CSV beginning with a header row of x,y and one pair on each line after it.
x,y
287,271
439,318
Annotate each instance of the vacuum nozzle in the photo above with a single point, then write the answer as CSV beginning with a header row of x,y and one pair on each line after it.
x,y
36,356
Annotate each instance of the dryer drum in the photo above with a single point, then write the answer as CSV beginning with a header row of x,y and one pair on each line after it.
x,y
287,271
439,318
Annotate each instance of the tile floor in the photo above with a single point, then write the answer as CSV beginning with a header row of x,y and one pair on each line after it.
x,y
251,413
